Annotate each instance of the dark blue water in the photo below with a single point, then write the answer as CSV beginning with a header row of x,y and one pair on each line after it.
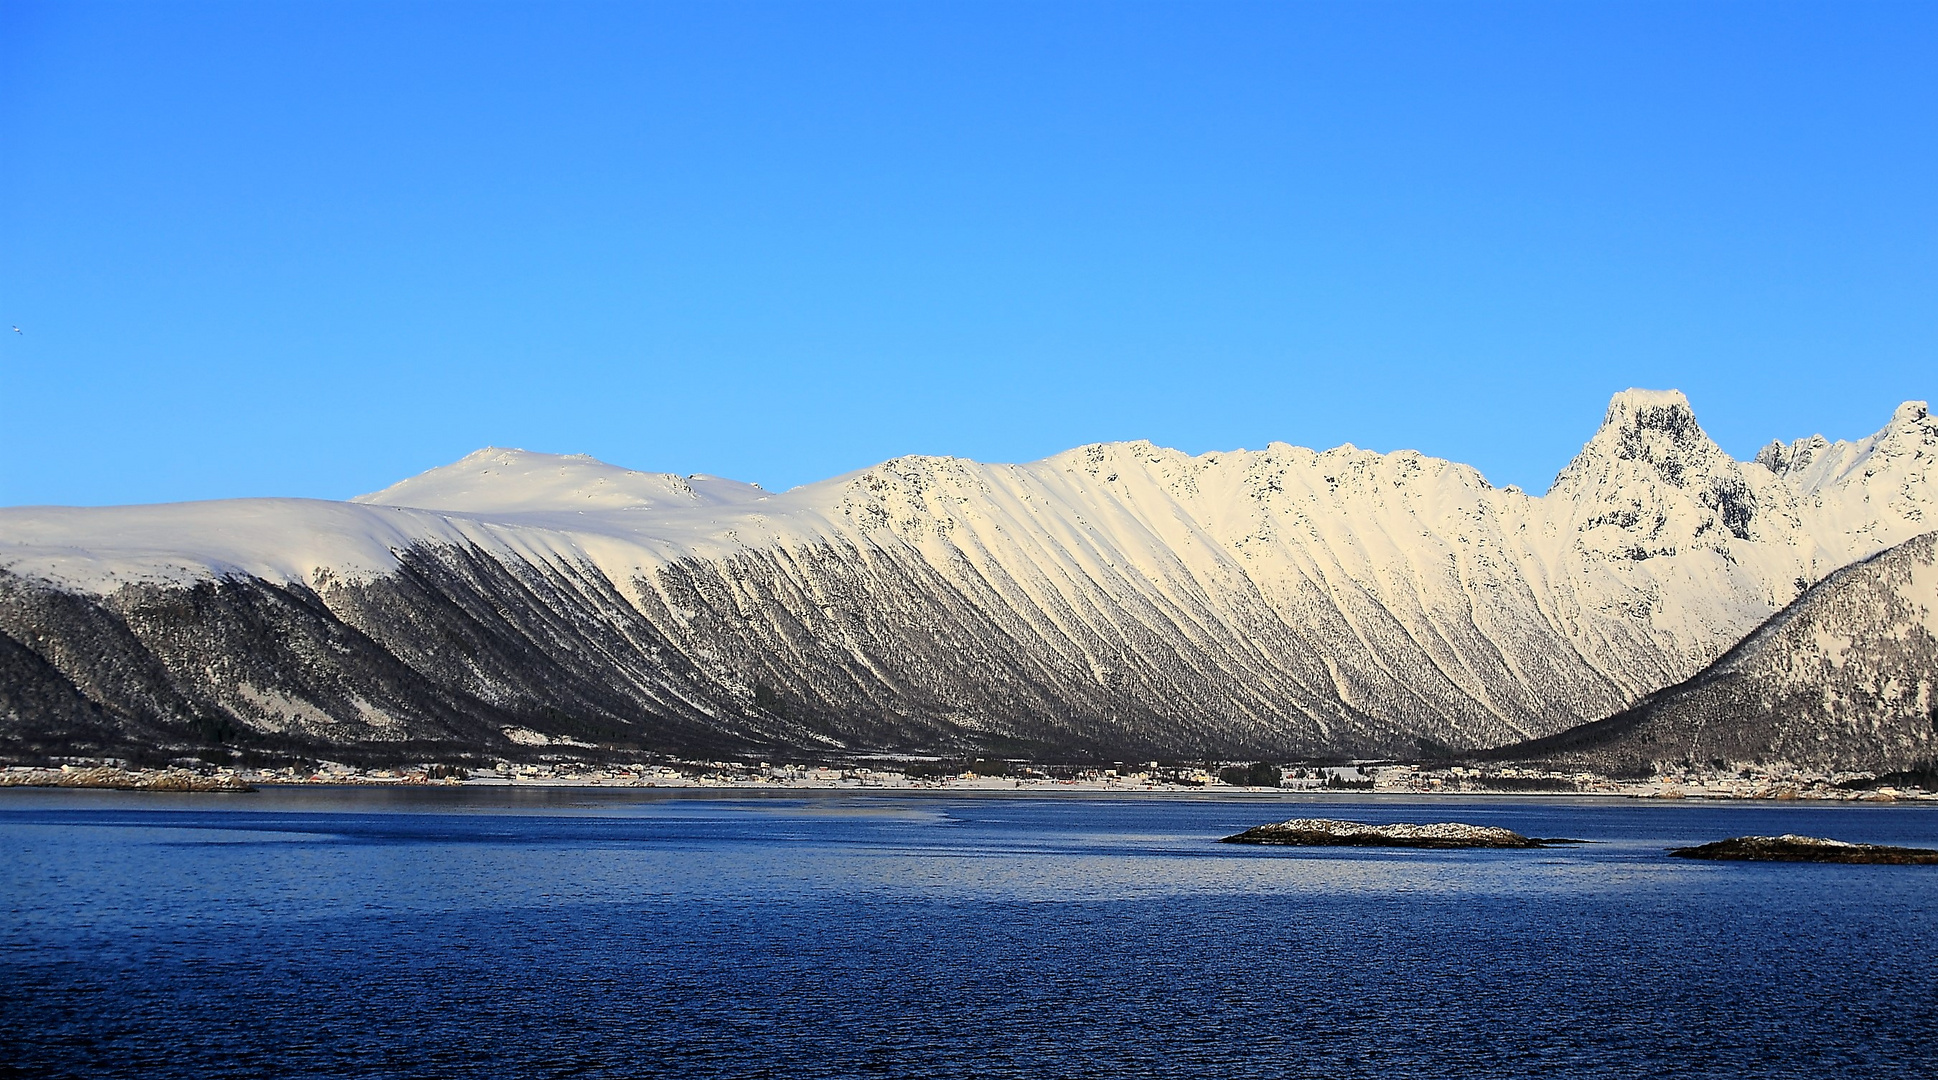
x,y
570,933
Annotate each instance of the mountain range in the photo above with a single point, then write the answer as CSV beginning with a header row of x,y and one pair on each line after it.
x,y
1111,600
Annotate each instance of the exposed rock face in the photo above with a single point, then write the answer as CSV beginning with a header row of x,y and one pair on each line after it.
x,y
1844,678
1792,848
1324,832
1115,599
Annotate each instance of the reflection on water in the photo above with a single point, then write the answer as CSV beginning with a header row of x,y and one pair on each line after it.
x,y
557,931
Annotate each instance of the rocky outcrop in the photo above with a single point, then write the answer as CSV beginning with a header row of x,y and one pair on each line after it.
x,y
1324,832
1792,848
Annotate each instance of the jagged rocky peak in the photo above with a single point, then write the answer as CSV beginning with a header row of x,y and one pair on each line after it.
x,y
1646,433
501,480
1656,428
1652,482
1783,458
1907,445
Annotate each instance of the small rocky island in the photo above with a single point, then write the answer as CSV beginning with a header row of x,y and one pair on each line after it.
x,y
1323,832
1793,848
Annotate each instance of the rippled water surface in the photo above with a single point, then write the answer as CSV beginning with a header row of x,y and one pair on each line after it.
x,y
370,932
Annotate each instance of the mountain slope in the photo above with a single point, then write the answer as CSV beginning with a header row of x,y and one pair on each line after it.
x,y
1844,678
1115,598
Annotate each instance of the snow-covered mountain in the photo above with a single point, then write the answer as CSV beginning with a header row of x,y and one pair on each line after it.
x,y
1115,598
1844,678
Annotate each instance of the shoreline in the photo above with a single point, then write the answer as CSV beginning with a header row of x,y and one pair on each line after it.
x,y
804,781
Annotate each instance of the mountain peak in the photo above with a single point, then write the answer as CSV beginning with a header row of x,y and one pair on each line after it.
x,y
1636,397
1651,454
1902,452
1665,411
1653,428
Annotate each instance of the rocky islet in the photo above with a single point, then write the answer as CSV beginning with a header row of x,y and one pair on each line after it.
x,y
1793,848
1326,832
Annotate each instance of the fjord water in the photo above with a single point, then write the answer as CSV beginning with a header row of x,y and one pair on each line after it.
x,y
555,932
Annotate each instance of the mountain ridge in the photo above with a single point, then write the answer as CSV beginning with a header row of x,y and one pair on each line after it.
x,y
1115,595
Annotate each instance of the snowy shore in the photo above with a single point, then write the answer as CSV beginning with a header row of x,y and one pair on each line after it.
x,y
1184,781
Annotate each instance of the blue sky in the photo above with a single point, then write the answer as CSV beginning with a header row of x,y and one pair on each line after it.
x,y
309,249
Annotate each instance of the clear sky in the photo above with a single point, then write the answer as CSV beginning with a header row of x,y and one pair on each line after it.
x,y
309,249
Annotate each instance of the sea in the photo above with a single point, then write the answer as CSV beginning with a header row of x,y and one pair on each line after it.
x,y
574,932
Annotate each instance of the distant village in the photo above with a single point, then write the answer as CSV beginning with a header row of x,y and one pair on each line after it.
x,y
992,775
